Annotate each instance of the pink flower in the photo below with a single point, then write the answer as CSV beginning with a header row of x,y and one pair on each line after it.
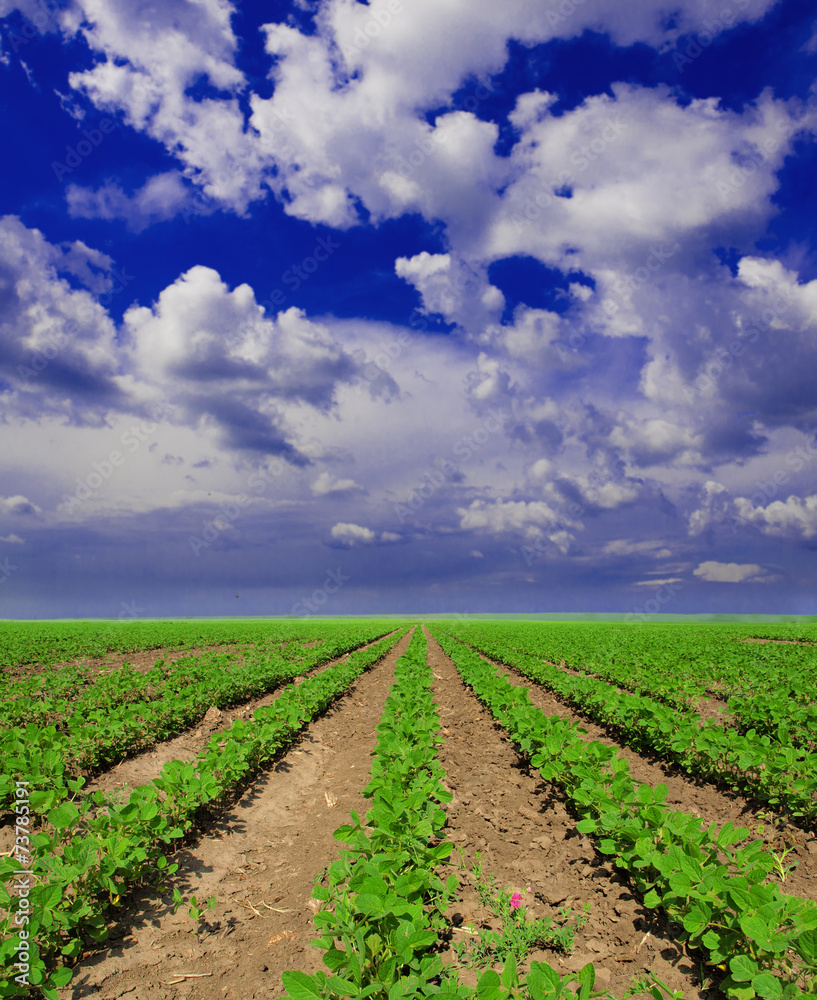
x,y
516,901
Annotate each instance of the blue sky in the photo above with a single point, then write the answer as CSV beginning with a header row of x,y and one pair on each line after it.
x,y
443,305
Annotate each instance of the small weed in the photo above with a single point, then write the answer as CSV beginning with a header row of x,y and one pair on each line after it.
x,y
519,934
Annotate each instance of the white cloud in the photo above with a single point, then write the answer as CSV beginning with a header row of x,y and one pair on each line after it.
x,y
533,519
714,507
325,483
152,54
718,572
58,342
19,505
158,199
627,547
229,365
794,518
12,540
352,534
655,441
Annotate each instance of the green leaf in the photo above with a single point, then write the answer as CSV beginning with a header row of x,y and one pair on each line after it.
x,y
64,815
509,977
300,986
61,976
345,987
743,968
767,985
488,984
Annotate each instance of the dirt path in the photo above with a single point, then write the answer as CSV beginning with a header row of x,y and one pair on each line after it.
x,y
266,849
527,837
699,798
144,767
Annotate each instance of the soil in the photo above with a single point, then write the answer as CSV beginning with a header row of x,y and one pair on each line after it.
x,y
787,642
698,798
143,660
261,855
260,859
144,767
526,836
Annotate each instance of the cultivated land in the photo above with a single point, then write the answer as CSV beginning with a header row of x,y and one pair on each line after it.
x,y
542,806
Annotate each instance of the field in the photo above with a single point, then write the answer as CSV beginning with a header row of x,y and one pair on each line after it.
x,y
343,808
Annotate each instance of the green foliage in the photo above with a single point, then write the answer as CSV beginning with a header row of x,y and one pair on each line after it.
x,y
711,881
88,851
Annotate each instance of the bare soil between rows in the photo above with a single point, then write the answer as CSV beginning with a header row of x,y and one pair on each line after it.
x,y
713,803
142,659
260,859
144,767
261,856
527,837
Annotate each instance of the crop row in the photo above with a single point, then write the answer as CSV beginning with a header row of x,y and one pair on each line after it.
x,y
82,859
679,664
95,734
783,776
710,880
23,642
383,903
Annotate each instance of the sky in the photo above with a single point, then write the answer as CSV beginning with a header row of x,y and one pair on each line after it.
x,y
324,307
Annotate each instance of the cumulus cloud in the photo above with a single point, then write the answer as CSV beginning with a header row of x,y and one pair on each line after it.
x,y
718,572
326,483
58,352
792,519
229,365
18,505
352,534
715,501
152,54
531,518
